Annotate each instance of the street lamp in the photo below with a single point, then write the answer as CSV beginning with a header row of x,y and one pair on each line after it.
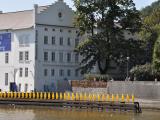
x,y
127,68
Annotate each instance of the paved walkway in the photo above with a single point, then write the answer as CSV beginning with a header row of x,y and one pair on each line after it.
x,y
149,103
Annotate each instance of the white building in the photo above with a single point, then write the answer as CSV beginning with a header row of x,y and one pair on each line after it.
x,y
36,48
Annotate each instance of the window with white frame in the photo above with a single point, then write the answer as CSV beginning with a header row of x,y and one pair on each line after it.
x,y
24,40
53,40
20,72
20,56
45,40
26,72
68,57
52,72
6,57
61,57
61,72
6,79
45,72
45,56
53,56
76,73
61,41
68,72
69,42
26,55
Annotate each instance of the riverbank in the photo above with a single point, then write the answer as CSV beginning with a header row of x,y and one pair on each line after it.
x,y
151,104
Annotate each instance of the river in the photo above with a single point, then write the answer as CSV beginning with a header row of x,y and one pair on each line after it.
x,y
40,113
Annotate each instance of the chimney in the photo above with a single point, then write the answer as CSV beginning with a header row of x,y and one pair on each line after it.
x,y
35,12
36,8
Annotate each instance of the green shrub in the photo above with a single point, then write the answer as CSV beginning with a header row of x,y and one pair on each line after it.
x,y
144,73
97,77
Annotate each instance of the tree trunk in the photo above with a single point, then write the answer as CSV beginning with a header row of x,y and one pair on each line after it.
x,y
103,66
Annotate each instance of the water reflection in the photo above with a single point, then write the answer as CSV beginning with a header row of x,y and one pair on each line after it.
x,y
36,113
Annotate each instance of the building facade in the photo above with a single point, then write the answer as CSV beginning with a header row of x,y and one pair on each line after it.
x,y
37,48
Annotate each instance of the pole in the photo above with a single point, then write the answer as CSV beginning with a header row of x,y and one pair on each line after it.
x,y
127,67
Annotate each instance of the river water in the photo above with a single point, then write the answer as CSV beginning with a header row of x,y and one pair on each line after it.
x,y
40,113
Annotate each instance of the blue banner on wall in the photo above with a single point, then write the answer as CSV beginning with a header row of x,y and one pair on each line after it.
x,y
5,42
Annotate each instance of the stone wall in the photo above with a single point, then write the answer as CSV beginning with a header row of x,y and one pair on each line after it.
x,y
148,90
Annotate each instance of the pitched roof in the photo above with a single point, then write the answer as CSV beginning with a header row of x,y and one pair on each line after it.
x,y
18,20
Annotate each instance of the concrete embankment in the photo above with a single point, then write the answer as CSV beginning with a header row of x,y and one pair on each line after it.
x,y
151,104
147,93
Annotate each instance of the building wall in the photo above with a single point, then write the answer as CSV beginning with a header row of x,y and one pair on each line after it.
x,y
55,21
58,49
49,24
14,64
51,15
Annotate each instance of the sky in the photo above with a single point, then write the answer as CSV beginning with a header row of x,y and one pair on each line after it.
x,y
19,5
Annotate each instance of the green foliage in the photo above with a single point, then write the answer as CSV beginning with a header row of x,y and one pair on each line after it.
x,y
149,9
156,55
151,29
97,77
144,73
110,18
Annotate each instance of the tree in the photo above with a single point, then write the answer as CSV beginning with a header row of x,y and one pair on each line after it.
x,y
110,19
150,31
156,55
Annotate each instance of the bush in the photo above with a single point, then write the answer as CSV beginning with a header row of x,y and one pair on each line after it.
x,y
144,73
97,77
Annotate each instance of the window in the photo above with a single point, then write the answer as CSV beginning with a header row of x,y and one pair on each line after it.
x,y
45,29
53,29
45,72
76,73
76,31
53,40
69,31
19,87
45,56
76,42
53,56
45,39
20,72
68,57
24,40
52,72
69,42
6,57
68,73
76,57
61,57
20,56
26,87
59,14
26,55
61,41
6,79
61,30
26,72
61,72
